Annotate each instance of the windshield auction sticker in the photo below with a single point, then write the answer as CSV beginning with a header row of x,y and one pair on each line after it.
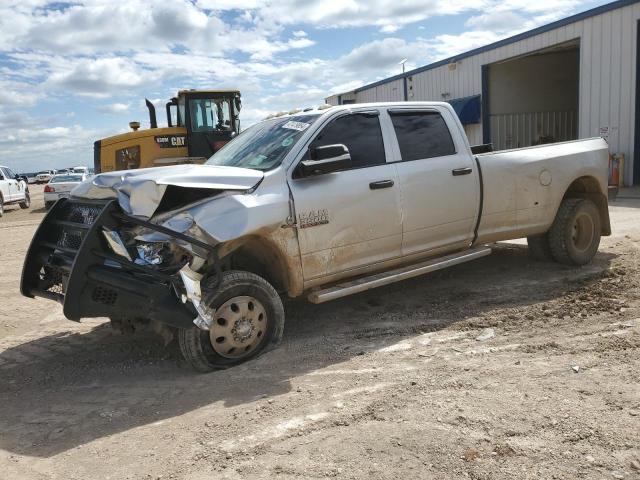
x,y
299,126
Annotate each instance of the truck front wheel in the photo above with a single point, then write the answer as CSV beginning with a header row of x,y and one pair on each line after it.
x,y
574,237
247,319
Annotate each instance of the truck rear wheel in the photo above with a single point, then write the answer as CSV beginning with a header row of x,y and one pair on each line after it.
x,y
27,201
539,247
247,320
574,237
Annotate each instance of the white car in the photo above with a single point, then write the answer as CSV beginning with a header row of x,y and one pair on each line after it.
x,y
45,176
13,189
60,186
80,169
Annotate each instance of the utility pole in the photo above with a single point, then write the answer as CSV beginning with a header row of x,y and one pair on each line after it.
x,y
402,62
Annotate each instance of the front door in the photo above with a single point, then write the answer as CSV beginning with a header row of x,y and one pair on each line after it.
x,y
349,219
4,187
13,186
210,125
439,182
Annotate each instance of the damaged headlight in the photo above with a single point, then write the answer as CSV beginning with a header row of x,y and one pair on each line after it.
x,y
149,253
116,244
165,256
162,255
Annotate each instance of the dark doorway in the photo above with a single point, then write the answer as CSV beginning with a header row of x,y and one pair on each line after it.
x,y
533,98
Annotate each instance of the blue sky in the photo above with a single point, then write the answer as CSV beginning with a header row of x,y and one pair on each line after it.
x,y
74,72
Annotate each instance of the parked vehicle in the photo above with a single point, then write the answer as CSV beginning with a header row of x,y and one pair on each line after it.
x,y
45,176
13,189
321,203
60,186
28,177
199,123
79,169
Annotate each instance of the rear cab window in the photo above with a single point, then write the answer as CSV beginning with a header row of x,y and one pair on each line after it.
x,y
360,133
422,135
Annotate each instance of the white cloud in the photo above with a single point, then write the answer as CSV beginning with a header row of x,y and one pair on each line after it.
x,y
99,77
497,21
389,15
115,108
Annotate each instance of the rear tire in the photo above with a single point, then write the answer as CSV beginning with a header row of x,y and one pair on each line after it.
x,y
1,206
574,237
254,323
27,201
539,247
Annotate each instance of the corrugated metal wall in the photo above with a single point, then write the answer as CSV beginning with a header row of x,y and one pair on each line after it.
x,y
607,77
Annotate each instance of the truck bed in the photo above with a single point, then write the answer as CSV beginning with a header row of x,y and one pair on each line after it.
x,y
522,188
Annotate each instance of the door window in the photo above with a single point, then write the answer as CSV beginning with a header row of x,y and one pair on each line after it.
x,y
209,115
422,135
360,133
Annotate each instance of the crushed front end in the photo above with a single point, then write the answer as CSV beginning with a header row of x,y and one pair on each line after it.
x,y
87,255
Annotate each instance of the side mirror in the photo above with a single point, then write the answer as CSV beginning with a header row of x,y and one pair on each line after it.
x,y
326,159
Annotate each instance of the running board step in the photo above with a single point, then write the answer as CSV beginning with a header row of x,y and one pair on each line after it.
x,y
385,278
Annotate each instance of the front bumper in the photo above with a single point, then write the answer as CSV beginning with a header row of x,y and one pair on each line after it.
x,y
69,261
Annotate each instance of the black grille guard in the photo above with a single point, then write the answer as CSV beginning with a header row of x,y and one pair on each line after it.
x,y
69,261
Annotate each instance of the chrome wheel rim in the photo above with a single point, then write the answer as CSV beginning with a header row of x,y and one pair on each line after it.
x,y
582,232
239,325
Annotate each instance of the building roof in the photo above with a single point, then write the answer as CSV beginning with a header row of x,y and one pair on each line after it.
x,y
507,41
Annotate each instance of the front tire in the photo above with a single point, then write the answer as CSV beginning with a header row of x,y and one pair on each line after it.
x,y
574,237
247,320
1,206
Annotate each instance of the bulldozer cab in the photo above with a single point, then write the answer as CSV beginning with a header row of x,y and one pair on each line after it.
x,y
211,119
199,123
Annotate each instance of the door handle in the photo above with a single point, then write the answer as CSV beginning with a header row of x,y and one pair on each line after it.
x,y
381,184
461,171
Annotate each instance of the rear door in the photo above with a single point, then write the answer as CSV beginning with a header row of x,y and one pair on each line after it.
x,y
350,219
439,181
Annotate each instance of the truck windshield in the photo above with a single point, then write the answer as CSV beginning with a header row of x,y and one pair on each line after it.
x,y
264,145
66,178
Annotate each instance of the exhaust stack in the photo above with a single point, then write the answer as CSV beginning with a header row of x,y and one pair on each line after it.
x,y
152,114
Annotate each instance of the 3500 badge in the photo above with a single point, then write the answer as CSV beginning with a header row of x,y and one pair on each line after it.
x,y
171,141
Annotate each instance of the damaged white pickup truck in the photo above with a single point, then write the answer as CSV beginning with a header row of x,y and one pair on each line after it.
x,y
323,203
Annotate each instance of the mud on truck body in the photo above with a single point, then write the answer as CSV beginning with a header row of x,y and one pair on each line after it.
x,y
324,203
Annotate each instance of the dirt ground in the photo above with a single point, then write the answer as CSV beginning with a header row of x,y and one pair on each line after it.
x,y
500,369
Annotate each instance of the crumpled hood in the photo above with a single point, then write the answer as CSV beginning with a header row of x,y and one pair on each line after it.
x,y
139,192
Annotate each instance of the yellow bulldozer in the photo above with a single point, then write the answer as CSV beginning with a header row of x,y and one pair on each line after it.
x,y
199,123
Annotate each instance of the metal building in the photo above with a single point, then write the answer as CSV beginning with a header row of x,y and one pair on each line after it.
x,y
574,78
